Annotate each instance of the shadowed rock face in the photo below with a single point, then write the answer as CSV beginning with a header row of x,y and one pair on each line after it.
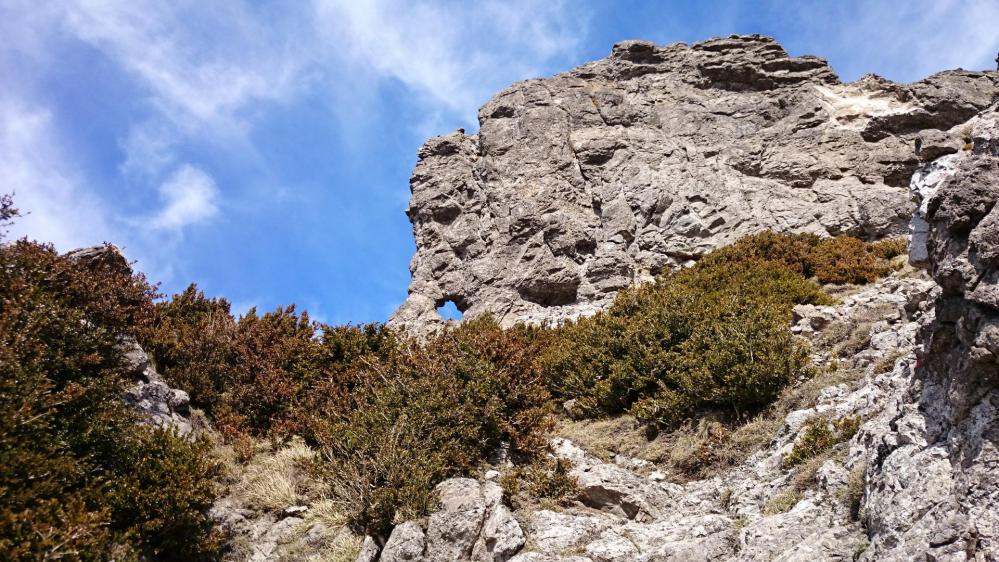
x,y
579,185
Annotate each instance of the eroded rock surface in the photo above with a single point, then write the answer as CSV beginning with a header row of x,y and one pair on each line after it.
x,y
584,183
934,488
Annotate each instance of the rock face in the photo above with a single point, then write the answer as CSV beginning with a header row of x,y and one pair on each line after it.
x,y
934,489
584,183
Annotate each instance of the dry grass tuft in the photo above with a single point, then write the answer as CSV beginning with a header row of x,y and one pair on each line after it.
x,y
852,495
782,502
274,481
620,435
344,549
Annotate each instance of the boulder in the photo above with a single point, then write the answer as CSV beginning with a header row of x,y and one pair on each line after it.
x,y
405,544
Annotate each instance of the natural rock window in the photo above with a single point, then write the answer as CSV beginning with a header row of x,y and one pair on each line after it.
x,y
449,310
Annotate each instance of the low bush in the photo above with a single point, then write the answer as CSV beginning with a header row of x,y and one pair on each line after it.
x,y
713,336
546,480
837,260
819,436
253,375
845,259
426,412
280,361
80,479
890,248
195,346
710,337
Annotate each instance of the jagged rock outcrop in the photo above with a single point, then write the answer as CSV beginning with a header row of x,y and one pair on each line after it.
x,y
934,485
150,395
155,400
587,182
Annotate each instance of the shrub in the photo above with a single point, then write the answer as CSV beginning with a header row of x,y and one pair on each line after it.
x,y
546,479
793,251
711,336
839,260
845,259
890,248
819,436
162,489
195,346
8,212
280,361
79,479
427,412
253,376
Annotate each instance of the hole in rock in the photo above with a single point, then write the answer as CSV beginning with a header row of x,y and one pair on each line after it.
x,y
449,310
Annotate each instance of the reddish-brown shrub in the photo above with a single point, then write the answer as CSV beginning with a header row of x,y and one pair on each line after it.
x,y
68,443
845,259
429,411
195,346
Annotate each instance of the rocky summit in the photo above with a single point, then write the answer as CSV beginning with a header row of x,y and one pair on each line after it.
x,y
581,184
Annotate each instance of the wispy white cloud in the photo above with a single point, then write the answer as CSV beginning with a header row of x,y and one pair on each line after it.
x,y
189,196
202,63
453,55
36,168
149,148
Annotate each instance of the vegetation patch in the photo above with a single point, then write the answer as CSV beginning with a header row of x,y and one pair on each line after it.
x,y
782,502
852,495
819,435
713,336
428,411
79,477
362,423
546,481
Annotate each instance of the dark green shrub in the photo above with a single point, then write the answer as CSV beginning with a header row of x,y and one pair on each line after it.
x,y
427,412
163,487
711,336
68,444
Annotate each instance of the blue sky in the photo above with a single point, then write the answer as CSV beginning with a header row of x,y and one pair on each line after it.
x,y
263,149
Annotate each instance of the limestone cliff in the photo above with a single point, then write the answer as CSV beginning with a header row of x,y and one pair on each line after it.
x,y
587,182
